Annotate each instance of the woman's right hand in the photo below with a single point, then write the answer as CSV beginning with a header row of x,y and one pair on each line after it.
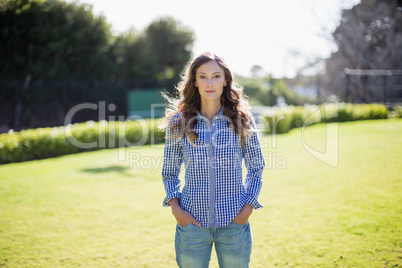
x,y
183,218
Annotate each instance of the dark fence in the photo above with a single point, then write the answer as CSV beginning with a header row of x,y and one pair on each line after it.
x,y
373,85
45,103
367,86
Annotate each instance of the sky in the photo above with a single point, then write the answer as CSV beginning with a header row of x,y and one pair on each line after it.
x,y
280,36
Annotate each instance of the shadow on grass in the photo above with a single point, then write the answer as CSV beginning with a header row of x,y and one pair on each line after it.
x,y
118,169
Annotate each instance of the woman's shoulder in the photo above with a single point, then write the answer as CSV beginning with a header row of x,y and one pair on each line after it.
x,y
174,121
251,119
175,117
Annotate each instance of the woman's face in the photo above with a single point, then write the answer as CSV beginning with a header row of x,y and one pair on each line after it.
x,y
210,80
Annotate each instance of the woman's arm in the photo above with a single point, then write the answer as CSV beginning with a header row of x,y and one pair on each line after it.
x,y
172,161
255,164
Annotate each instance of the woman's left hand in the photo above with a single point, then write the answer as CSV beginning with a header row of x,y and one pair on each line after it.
x,y
243,215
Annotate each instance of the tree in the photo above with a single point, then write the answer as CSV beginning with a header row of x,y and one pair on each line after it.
x,y
51,39
257,71
55,55
171,44
266,90
369,36
158,54
132,56
47,40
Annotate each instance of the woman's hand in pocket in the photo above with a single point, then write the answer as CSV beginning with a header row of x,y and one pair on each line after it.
x,y
243,215
183,218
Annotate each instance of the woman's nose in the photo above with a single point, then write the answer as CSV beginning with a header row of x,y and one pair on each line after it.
x,y
210,83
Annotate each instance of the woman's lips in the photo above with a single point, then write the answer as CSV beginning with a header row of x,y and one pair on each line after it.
x,y
210,91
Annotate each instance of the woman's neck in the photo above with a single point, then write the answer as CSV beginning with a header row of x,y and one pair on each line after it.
x,y
210,108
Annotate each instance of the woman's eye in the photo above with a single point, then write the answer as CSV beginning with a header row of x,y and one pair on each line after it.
x,y
218,76
202,77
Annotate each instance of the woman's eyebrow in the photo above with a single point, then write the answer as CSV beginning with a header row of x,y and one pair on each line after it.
x,y
217,72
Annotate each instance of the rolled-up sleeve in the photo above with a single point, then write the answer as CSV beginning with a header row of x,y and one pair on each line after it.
x,y
172,161
255,164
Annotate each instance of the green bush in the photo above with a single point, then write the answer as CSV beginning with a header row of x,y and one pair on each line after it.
x,y
279,120
397,112
352,112
50,142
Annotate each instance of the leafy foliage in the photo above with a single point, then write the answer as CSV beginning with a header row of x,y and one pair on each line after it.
x,y
278,121
266,90
52,39
56,55
160,52
171,43
369,36
50,142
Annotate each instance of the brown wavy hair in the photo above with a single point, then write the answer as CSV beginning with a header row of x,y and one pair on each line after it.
x,y
236,106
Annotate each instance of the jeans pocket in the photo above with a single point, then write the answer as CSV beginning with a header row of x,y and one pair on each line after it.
x,y
240,224
185,226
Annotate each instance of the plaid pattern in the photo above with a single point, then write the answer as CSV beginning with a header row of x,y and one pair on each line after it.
x,y
214,191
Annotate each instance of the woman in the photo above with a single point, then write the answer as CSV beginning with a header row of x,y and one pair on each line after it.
x,y
210,130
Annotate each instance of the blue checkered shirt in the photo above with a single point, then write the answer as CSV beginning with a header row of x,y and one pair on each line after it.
x,y
213,191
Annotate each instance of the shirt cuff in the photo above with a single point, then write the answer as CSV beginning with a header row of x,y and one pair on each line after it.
x,y
254,203
166,201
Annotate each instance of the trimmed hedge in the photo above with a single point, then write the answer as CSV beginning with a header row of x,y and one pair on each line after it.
x,y
278,120
50,142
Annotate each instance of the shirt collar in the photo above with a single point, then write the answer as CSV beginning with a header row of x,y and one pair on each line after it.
x,y
219,115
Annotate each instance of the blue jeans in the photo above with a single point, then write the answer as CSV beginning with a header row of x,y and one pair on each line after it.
x,y
232,244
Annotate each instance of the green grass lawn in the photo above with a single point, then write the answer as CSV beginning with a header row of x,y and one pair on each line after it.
x,y
95,210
